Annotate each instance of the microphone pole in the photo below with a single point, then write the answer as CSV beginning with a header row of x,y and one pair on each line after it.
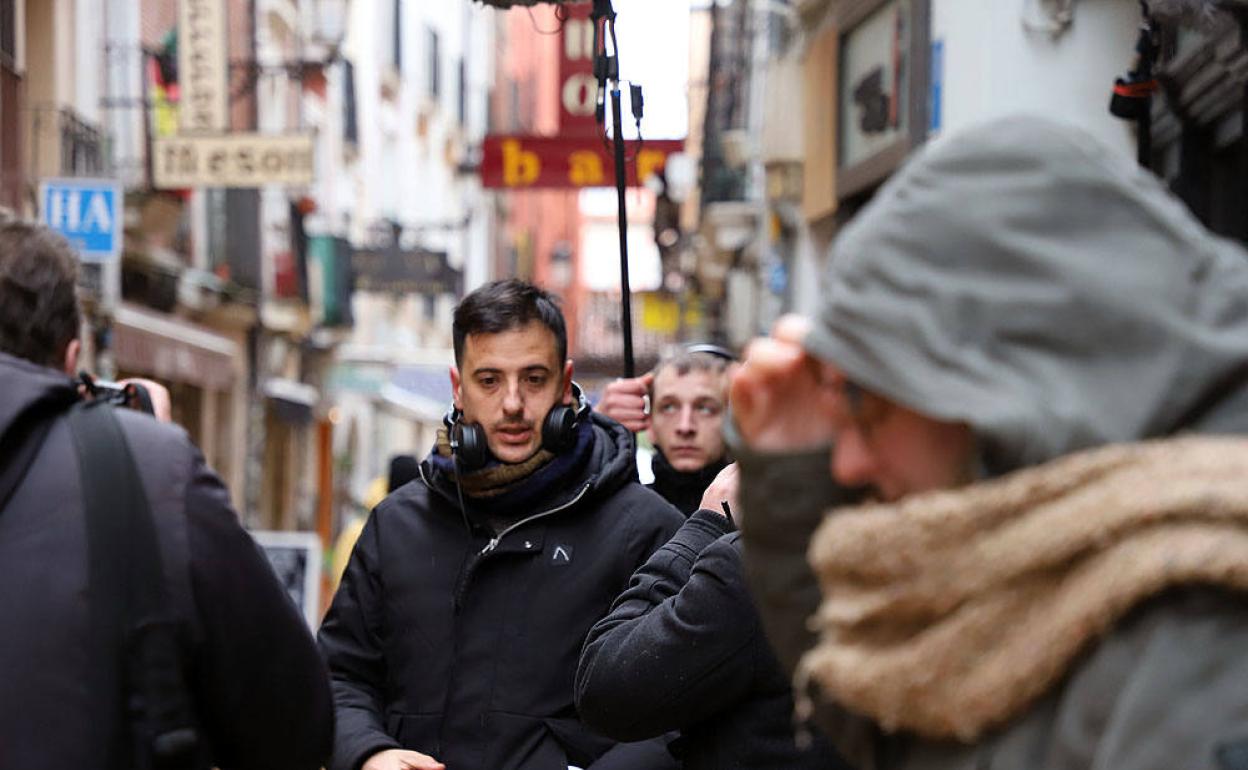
x,y
621,174
607,69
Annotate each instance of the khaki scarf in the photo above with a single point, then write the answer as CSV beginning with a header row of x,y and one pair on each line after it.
x,y
497,479
949,613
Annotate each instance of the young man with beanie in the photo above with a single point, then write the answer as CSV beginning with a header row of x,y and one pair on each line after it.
x,y
995,497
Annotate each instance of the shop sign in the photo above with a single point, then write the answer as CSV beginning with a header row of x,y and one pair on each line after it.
x,y
296,561
202,66
88,212
874,62
388,267
232,160
578,88
660,314
524,162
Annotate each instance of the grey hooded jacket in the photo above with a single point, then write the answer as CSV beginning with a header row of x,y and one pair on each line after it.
x,y
1025,280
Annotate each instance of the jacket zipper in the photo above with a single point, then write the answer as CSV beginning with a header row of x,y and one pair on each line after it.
x,y
490,546
461,590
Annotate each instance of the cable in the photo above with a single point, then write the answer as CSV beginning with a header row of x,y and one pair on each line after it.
x,y
560,17
459,490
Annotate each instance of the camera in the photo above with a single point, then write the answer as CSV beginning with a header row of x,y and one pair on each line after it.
x,y
130,395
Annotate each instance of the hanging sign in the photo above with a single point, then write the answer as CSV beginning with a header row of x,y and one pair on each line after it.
x,y
232,160
530,162
202,66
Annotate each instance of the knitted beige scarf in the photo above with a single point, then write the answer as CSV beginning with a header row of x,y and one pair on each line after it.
x,y
949,613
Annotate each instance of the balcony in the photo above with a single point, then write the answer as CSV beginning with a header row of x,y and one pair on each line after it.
x,y
63,143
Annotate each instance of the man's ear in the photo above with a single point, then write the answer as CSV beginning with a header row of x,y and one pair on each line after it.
x,y
71,357
457,388
567,382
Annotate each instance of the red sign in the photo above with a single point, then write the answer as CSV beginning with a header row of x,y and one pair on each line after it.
x,y
523,162
578,89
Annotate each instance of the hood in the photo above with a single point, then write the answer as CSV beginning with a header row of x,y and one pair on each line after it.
x,y
610,466
1024,279
27,386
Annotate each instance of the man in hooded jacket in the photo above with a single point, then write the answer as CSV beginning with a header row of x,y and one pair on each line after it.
x,y
253,678
453,639
1035,362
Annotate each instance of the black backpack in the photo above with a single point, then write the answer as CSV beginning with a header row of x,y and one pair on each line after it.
x,y
135,649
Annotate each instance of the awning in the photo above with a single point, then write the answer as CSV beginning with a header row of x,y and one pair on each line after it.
x,y
293,402
169,348
419,392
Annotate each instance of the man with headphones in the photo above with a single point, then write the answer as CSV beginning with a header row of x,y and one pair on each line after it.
x,y
681,402
454,637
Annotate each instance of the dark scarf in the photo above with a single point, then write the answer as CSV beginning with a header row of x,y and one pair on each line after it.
x,y
504,493
683,489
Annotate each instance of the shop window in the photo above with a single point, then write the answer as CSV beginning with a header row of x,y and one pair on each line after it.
x,y
8,30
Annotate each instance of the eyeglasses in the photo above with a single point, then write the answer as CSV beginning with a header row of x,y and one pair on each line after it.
x,y
863,410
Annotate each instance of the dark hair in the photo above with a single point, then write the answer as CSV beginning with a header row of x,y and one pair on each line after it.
x,y
403,468
685,361
38,293
505,305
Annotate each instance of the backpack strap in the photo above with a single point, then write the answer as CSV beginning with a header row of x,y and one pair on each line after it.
x,y
134,636
21,443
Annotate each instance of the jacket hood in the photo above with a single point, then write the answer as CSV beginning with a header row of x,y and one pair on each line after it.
x,y
610,465
28,386
1024,279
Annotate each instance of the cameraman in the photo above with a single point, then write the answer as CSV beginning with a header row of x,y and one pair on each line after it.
x,y
252,676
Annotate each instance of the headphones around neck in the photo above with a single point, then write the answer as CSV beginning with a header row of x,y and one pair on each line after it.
x,y
472,451
719,351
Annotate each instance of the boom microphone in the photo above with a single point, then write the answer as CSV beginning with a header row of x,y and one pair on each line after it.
x,y
504,4
1205,14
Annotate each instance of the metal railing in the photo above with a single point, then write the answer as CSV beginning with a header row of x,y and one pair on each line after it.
x,y
64,143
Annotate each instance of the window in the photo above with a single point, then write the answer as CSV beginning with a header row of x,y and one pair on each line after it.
x,y
434,64
8,31
462,93
397,40
350,128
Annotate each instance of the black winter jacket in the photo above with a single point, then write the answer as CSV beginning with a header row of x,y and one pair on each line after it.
x,y
255,680
683,489
445,640
683,649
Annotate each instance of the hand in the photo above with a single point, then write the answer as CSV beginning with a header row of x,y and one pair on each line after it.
x,y
162,405
625,402
401,759
782,397
724,490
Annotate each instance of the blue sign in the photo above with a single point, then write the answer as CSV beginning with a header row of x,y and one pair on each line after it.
x,y
935,109
88,212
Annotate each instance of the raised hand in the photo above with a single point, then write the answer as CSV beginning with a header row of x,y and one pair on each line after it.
x,y
782,398
625,402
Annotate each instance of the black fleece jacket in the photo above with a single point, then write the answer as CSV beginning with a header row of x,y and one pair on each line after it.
x,y
447,640
257,685
683,649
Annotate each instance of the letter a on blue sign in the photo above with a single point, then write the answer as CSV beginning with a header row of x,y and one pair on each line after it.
x,y
87,212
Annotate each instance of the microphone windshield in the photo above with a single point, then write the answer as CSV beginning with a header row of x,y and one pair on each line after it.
x,y
504,4
1205,14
